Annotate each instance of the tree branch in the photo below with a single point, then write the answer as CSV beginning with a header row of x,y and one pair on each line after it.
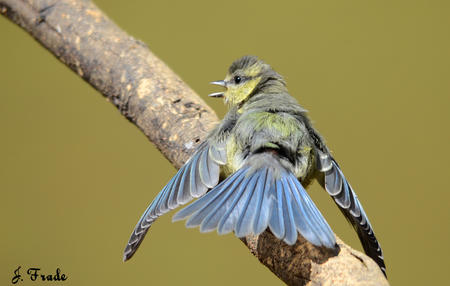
x,y
172,116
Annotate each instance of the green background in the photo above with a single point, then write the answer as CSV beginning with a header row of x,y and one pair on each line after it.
x,y
75,176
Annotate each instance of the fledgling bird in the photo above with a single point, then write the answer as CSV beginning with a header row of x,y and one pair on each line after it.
x,y
267,152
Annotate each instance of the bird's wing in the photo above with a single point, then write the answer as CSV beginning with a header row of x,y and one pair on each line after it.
x,y
200,173
340,190
252,199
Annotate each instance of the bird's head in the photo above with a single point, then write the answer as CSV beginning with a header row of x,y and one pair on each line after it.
x,y
246,77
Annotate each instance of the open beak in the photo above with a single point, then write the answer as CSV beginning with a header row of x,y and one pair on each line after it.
x,y
218,94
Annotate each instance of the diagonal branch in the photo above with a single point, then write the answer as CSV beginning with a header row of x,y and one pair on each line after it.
x,y
171,115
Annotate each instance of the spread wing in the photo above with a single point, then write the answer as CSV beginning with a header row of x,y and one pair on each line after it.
x,y
340,190
200,173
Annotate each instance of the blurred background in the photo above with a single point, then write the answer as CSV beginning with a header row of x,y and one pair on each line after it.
x,y
75,176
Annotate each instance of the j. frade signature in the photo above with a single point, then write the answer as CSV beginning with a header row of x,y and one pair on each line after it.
x,y
35,274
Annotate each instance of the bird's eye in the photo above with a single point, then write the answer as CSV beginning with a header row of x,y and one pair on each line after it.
x,y
237,79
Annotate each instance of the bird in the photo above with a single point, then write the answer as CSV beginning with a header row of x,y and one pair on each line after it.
x,y
251,172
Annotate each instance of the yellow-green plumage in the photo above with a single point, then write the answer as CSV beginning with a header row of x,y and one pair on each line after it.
x,y
282,126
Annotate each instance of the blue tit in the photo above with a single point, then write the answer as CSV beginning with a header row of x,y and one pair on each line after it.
x,y
251,171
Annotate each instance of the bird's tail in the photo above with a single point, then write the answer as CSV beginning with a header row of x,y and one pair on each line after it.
x,y
259,195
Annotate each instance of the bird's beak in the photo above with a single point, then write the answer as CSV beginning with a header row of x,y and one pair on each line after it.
x,y
218,94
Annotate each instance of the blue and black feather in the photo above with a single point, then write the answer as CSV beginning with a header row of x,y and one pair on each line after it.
x,y
346,199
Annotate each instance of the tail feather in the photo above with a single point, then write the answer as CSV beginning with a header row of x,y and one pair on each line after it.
x,y
250,200
316,226
276,222
244,223
289,223
264,202
234,207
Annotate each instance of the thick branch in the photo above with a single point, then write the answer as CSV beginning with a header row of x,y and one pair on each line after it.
x,y
171,115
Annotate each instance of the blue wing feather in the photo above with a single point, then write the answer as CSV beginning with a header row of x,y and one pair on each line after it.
x,y
174,185
340,190
207,199
199,173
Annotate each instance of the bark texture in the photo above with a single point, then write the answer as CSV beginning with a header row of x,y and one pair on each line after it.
x,y
171,115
